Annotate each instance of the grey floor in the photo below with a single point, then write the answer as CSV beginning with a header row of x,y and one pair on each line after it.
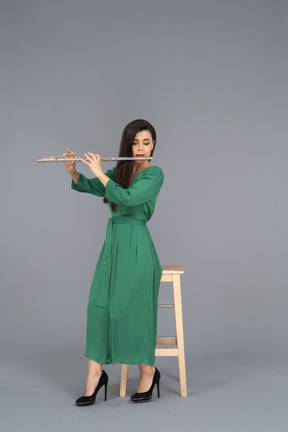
x,y
236,395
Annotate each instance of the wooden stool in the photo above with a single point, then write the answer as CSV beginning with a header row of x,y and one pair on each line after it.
x,y
170,273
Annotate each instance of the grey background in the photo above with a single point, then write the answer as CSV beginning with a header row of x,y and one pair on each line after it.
x,y
211,76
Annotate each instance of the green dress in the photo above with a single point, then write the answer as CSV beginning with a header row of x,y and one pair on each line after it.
x,y
122,307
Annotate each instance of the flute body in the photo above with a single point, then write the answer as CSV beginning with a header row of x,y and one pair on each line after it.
x,y
79,159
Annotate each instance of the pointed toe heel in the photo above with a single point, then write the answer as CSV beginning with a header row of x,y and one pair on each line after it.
x,y
90,400
147,396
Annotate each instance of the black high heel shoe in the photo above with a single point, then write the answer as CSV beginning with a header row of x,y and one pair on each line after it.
x,y
89,400
146,396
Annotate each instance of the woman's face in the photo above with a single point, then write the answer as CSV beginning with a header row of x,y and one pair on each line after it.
x,y
142,144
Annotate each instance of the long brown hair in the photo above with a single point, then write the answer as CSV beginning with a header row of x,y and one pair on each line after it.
x,y
124,168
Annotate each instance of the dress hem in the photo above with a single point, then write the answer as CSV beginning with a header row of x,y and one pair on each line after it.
x,y
117,361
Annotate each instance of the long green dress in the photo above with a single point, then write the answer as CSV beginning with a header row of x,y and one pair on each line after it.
x,y
122,307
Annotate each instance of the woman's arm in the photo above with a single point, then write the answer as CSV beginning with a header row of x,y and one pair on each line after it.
x,y
92,186
71,166
75,176
81,183
145,188
93,161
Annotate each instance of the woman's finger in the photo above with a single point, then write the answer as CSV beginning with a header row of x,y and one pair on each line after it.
x,y
71,154
93,156
88,158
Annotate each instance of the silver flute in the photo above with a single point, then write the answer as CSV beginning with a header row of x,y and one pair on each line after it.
x,y
79,159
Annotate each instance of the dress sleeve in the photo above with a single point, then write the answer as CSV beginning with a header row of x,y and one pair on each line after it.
x,y
147,187
92,186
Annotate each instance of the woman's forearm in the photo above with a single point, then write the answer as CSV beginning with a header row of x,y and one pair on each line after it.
x,y
104,179
75,176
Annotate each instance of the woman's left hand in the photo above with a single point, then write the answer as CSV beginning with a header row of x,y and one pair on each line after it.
x,y
93,161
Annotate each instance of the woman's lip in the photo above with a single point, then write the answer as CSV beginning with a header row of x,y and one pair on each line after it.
x,y
140,155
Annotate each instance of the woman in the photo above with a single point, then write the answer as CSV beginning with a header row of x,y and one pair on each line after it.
x,y
122,307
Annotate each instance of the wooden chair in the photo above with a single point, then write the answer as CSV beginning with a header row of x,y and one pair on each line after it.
x,y
170,273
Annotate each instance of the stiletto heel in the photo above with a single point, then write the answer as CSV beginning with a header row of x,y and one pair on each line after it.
x,y
89,400
106,390
146,396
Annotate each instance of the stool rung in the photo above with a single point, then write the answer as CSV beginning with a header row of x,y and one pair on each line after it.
x,y
171,352
165,305
166,340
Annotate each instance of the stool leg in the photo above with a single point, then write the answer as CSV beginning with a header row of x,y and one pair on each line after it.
x,y
179,333
124,378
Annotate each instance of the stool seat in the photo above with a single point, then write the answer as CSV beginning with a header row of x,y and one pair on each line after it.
x,y
172,269
170,273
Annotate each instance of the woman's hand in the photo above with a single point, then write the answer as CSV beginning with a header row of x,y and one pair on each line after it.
x,y
93,161
70,166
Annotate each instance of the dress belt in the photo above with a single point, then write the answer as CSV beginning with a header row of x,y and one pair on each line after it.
x,y
107,254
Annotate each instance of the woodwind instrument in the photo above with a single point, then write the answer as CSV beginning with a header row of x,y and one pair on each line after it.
x,y
79,159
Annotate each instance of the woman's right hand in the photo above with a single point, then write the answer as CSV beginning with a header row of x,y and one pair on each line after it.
x,y
70,166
